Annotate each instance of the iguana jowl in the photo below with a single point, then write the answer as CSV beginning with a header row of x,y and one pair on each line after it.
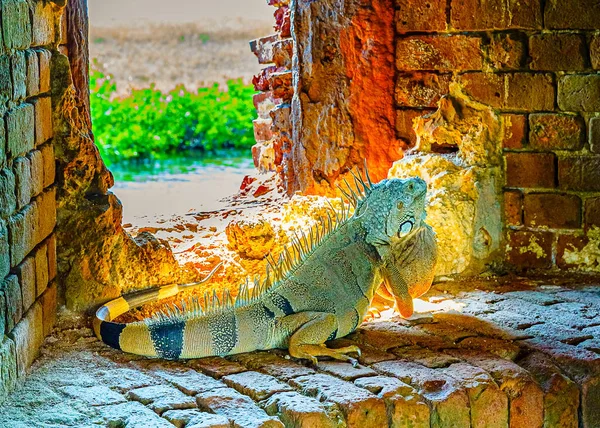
x,y
316,292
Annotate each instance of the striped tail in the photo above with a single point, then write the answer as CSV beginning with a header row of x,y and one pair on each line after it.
x,y
137,337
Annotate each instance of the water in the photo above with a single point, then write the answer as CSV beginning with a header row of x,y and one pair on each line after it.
x,y
179,184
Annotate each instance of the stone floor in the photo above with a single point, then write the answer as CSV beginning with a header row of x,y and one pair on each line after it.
x,y
524,353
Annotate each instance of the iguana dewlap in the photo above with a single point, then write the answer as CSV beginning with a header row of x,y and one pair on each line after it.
x,y
320,289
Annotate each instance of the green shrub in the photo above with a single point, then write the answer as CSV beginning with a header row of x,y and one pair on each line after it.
x,y
150,124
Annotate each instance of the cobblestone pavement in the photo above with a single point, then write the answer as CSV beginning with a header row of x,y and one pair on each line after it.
x,y
522,353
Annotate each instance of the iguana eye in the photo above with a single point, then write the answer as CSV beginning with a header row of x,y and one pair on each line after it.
x,y
400,205
411,186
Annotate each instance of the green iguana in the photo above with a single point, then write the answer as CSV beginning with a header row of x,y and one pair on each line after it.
x,y
319,290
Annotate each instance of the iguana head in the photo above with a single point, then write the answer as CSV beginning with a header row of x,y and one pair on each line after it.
x,y
393,209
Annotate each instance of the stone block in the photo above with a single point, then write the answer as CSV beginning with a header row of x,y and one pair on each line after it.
x,y
22,170
595,52
536,170
23,232
5,79
549,131
49,165
359,407
579,173
8,364
345,371
507,51
42,15
528,91
3,157
43,120
297,410
405,125
592,212
28,336
217,367
44,57
189,382
4,250
11,291
487,88
41,270
161,398
579,92
8,198
33,73
257,386
429,15
26,274
274,365
442,53
513,208
526,249
19,127
572,15
236,407
557,52
49,305
47,213
132,414
495,14
36,164
52,265
421,89
18,66
515,131
552,210
427,357
192,418
16,24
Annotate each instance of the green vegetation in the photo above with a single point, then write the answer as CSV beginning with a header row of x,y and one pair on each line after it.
x,y
150,124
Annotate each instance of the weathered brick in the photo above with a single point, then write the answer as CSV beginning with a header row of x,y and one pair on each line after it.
x,y
42,23
47,210
36,164
557,52
132,413
19,127
14,301
43,120
530,170
28,336
595,51
592,212
447,53
579,173
44,57
273,365
594,135
257,386
8,362
94,395
4,250
18,66
507,51
556,131
8,198
22,170
421,89
427,357
192,418
528,91
3,157
33,73
16,25
49,304
26,274
262,129
404,125
263,48
527,249
49,166
495,14
52,265
572,15
188,381
23,232
217,367
281,85
297,410
579,92
566,245
41,270
264,103
283,53
487,88
429,15
63,29
513,207
5,79
515,131
552,210
359,407
161,398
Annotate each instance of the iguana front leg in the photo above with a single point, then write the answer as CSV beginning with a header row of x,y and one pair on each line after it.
x,y
397,286
308,341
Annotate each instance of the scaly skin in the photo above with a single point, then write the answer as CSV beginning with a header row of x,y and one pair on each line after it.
x,y
324,295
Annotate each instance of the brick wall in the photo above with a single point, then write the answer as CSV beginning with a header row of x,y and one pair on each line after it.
x,y
537,63
28,35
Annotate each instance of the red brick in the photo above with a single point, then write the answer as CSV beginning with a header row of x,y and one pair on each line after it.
x,y
421,89
569,243
283,21
281,85
513,207
557,52
579,173
572,15
507,51
552,210
529,249
556,131
595,52
43,120
283,53
419,15
527,91
404,125
515,131
495,14
592,212
446,53
536,170
262,130
487,88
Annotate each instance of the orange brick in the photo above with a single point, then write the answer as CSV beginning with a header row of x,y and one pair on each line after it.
x,y
552,210
535,170
557,52
444,53
515,131
421,89
528,91
556,131
513,207
487,88
420,15
43,120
